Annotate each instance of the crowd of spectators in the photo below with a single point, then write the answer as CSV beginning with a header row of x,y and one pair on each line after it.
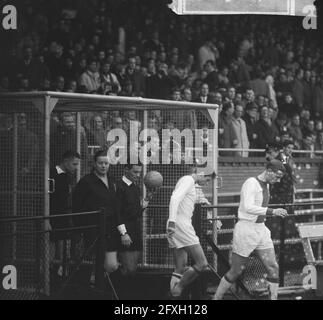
x,y
265,73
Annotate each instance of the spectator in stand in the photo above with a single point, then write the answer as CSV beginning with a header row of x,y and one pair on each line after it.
x,y
227,134
64,138
91,78
282,87
272,93
223,78
288,106
59,84
259,84
159,86
71,86
212,78
308,94
308,144
250,118
295,131
319,141
249,97
96,134
309,128
240,129
206,52
127,89
264,130
4,84
136,77
231,94
318,99
55,60
107,77
243,74
298,89
318,125
280,123
203,97
32,69
69,69
23,84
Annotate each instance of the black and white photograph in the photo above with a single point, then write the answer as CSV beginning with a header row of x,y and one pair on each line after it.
x,y
162,154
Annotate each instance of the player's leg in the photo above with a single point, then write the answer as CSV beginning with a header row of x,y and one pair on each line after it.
x,y
245,240
200,265
238,265
268,258
180,259
266,253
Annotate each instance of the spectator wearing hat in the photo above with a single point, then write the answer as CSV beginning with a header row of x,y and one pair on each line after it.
x,y
250,118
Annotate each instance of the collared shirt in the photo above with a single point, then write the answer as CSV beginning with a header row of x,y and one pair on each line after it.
x,y
59,170
253,200
127,181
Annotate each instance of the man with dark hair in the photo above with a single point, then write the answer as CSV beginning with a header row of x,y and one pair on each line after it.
x,y
250,232
284,191
60,199
130,207
60,204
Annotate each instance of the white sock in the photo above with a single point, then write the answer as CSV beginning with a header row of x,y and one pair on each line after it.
x,y
273,288
223,287
176,277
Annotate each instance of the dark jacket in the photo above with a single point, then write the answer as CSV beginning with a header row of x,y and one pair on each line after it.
x,y
91,194
265,134
60,203
251,130
283,191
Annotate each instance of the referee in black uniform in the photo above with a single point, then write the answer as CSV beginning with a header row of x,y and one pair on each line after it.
x,y
95,191
129,212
